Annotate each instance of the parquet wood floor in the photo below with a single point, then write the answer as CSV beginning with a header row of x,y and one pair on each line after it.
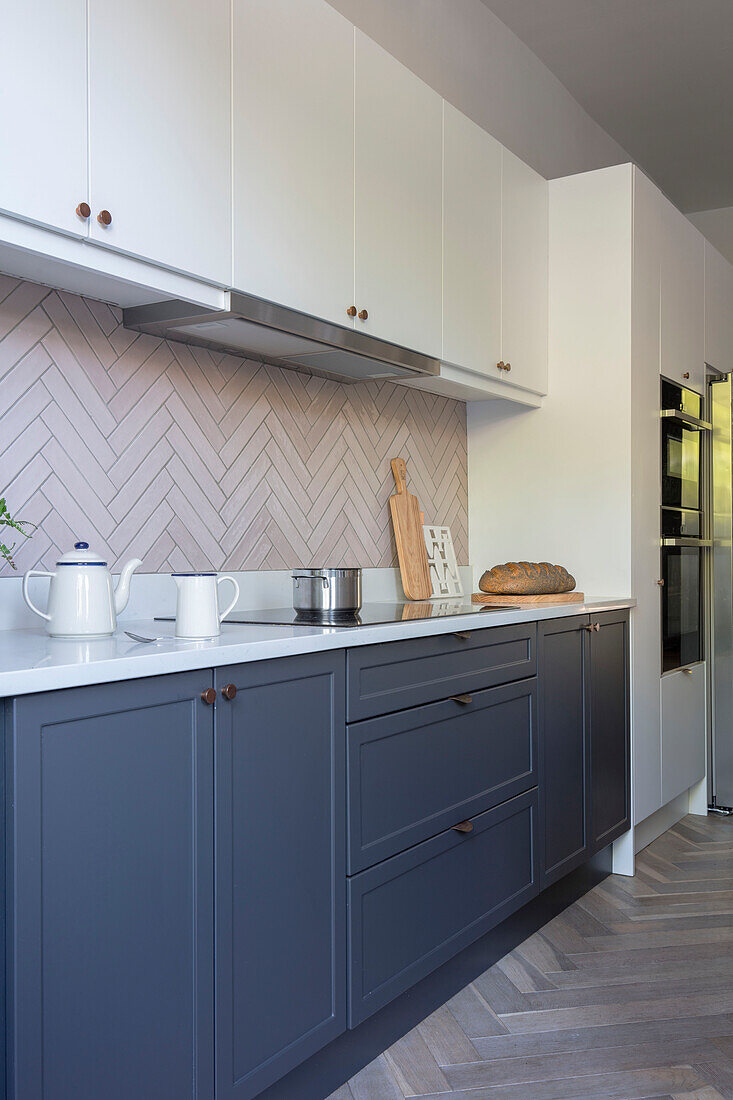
x,y
627,994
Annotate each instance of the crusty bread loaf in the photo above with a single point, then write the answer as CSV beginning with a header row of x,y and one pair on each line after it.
x,y
527,578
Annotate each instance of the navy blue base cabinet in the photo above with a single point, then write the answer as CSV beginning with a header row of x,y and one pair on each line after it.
x,y
280,868
110,909
208,876
584,753
608,723
564,752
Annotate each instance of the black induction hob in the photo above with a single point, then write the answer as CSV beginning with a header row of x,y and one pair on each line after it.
x,y
371,614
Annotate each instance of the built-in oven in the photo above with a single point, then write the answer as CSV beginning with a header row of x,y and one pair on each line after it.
x,y
682,526
682,429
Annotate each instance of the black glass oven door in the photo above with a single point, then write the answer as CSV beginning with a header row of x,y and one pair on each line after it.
x,y
680,466
681,606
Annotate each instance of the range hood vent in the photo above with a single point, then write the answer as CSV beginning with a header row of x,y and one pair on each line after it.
x,y
261,330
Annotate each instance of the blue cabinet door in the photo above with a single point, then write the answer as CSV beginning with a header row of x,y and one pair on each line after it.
x,y
110,869
564,756
280,868
608,718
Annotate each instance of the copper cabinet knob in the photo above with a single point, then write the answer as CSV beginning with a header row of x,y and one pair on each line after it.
x,y
661,584
104,218
507,366
208,697
463,827
351,311
363,315
229,691
686,374
500,366
83,210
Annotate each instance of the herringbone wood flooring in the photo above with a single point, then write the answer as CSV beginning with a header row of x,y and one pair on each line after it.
x,y
627,994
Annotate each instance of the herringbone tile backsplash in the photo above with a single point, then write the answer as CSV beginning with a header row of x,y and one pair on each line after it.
x,y
186,458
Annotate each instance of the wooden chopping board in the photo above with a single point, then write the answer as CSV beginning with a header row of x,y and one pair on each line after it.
x,y
408,533
529,601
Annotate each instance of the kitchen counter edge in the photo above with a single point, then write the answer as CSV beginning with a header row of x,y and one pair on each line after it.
x,y
32,662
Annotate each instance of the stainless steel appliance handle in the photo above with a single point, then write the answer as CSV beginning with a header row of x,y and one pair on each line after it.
x,y
688,421
687,542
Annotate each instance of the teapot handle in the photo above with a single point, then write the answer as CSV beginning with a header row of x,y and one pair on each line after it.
x,y
26,597
223,614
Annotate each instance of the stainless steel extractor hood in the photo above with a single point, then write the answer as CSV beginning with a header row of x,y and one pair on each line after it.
x,y
257,329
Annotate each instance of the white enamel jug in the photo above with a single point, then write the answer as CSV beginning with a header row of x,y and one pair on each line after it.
x,y
197,604
82,602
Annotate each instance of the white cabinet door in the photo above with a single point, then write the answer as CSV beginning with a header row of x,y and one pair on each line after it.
x,y
718,310
683,730
471,245
683,301
398,215
159,92
525,274
43,112
293,125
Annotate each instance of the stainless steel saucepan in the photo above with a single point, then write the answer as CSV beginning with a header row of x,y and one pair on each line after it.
x,y
327,593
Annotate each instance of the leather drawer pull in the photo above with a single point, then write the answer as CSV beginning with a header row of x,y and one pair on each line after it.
x,y
463,827
462,634
464,700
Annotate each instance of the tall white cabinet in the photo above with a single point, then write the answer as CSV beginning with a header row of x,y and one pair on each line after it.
x,y
159,131
718,310
43,113
398,201
472,227
293,153
524,244
683,298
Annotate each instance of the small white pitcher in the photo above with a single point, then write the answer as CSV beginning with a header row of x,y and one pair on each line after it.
x,y
197,604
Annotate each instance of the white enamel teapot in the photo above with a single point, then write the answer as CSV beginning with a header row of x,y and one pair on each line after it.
x,y
82,602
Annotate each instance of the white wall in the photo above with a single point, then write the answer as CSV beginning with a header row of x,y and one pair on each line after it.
x,y
467,54
554,484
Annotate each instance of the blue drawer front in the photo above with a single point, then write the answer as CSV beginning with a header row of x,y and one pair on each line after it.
x,y
415,773
386,678
414,911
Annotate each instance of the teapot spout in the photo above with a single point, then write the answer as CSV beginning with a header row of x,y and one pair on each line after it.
x,y
122,591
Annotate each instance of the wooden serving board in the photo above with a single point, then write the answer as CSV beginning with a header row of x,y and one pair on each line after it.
x,y
408,533
528,601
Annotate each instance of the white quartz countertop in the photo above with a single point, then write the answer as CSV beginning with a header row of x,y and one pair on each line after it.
x,y
30,661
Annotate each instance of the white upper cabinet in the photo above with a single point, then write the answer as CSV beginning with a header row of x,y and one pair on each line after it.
x,y
398,213
683,300
525,274
293,126
718,310
471,245
159,94
43,112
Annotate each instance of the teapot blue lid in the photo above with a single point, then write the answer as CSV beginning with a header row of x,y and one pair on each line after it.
x,y
81,555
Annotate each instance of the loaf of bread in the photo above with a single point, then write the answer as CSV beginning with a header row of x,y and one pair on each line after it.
x,y
526,578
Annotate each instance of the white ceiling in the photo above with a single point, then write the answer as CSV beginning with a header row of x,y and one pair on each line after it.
x,y
657,75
